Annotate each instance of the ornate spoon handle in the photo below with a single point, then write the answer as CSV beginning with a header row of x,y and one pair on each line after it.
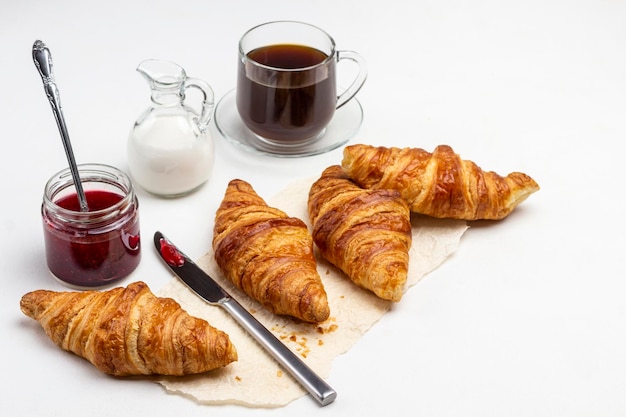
x,y
43,62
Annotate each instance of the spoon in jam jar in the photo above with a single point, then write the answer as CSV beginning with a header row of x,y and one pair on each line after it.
x,y
43,62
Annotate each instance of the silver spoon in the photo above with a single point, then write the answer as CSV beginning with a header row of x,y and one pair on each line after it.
x,y
43,62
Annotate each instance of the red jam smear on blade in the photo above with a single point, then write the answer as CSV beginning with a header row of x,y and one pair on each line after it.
x,y
170,254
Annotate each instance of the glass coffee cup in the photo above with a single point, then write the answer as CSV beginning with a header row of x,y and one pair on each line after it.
x,y
287,82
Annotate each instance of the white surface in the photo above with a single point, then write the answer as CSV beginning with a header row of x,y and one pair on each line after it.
x,y
526,319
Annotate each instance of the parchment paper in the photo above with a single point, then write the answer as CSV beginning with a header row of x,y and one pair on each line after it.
x,y
256,380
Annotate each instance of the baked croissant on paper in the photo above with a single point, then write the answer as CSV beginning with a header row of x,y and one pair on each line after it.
x,y
438,184
129,331
365,233
268,255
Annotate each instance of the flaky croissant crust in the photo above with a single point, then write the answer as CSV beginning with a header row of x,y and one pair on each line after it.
x,y
129,331
438,184
268,255
365,233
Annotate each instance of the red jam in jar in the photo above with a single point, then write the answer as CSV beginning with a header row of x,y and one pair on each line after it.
x,y
96,247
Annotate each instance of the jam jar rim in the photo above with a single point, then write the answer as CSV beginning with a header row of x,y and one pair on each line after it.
x,y
94,173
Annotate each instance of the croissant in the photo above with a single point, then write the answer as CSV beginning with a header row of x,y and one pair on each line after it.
x,y
129,331
268,255
438,184
365,233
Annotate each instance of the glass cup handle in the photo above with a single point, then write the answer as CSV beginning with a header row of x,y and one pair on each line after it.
x,y
358,82
207,101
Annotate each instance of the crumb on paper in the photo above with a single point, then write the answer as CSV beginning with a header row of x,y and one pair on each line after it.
x,y
330,328
325,330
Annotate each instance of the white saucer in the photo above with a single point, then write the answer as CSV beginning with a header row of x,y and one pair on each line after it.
x,y
344,125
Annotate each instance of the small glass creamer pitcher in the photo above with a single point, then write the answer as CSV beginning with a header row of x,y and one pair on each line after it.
x,y
170,149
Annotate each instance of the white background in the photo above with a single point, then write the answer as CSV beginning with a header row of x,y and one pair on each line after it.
x,y
525,319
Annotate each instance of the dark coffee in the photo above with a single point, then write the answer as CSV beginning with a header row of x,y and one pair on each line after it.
x,y
290,97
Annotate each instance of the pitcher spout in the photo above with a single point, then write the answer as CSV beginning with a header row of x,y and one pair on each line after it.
x,y
164,77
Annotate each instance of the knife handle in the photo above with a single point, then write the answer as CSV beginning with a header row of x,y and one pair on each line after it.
x,y
316,386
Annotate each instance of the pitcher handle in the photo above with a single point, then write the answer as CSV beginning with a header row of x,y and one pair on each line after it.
x,y
358,82
207,101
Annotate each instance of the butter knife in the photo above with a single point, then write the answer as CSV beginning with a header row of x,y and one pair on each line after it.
x,y
209,290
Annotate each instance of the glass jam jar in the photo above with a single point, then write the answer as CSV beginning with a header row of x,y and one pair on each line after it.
x,y
99,246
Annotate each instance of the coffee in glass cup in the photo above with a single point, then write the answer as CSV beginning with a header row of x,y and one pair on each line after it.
x,y
287,81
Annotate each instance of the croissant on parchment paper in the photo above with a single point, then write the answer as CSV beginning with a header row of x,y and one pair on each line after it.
x,y
129,331
268,255
365,233
438,184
